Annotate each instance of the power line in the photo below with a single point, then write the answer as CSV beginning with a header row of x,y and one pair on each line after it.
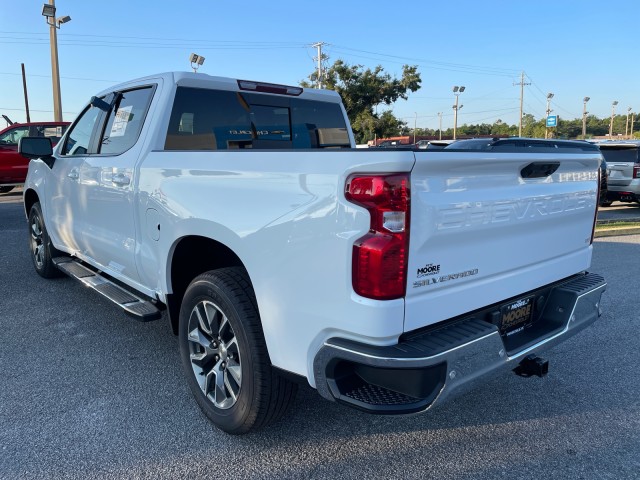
x,y
165,39
32,110
458,70
66,78
477,68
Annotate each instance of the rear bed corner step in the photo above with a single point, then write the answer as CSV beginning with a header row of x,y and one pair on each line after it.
x,y
132,304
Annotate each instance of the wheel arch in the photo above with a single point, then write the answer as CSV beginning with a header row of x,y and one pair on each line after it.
x,y
30,197
186,262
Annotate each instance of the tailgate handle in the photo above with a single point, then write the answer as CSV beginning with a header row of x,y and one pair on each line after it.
x,y
539,169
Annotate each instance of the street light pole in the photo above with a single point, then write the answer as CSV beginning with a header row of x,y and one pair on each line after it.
x,y
49,12
440,125
632,119
456,92
584,117
549,97
626,127
613,112
415,125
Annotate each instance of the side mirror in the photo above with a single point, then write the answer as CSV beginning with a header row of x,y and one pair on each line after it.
x,y
36,147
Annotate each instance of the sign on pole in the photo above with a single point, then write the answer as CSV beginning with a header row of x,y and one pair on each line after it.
x,y
552,121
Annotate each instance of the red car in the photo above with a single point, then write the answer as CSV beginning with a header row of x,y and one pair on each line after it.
x,y
13,166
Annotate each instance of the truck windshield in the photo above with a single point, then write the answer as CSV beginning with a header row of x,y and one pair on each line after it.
x,y
204,119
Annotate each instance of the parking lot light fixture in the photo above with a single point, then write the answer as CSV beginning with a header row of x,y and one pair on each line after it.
x,y
196,61
613,112
456,92
549,97
584,117
49,12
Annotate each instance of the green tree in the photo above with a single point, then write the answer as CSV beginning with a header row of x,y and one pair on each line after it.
x,y
362,89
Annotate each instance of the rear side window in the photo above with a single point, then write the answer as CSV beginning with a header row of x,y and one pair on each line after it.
x,y
204,119
125,121
54,132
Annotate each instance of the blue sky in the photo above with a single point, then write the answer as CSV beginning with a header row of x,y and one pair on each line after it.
x,y
569,47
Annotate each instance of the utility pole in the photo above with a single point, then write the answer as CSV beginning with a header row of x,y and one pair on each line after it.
x,y
522,84
319,45
584,117
440,125
26,97
626,127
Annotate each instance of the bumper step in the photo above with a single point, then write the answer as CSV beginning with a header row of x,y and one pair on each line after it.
x,y
426,365
133,305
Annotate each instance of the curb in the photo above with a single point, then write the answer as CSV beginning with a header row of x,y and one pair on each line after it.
x,y
612,232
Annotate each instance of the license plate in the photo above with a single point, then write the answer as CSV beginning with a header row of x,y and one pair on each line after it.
x,y
515,316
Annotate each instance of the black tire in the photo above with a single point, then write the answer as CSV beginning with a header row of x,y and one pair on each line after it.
x,y
6,189
221,341
40,246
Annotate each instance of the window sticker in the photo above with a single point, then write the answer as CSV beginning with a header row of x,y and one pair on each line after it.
x,y
120,122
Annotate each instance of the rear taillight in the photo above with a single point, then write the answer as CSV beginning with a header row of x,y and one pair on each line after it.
x,y
636,170
380,257
595,215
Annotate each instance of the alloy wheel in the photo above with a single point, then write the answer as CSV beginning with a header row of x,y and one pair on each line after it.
x,y
214,354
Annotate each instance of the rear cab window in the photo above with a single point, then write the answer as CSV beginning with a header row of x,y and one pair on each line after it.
x,y
620,154
206,119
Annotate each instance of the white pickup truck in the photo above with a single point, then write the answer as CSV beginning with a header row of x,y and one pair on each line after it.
x,y
242,212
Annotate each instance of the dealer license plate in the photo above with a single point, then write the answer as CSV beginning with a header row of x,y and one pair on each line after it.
x,y
515,316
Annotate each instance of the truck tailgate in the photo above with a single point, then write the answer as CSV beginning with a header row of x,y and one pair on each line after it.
x,y
482,231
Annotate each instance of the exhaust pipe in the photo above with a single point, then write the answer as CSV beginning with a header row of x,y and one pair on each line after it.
x,y
532,365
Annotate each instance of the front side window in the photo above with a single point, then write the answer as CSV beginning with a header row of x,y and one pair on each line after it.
x,y
204,119
13,136
77,142
125,121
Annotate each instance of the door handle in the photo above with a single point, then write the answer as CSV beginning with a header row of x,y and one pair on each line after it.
x,y
120,179
73,174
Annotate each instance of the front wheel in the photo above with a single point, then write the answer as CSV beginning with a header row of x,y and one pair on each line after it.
x,y
225,356
40,246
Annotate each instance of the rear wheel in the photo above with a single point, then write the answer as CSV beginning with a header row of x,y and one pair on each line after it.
x,y
224,354
40,246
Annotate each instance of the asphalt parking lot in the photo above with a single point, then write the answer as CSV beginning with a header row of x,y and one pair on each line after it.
x,y
87,392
